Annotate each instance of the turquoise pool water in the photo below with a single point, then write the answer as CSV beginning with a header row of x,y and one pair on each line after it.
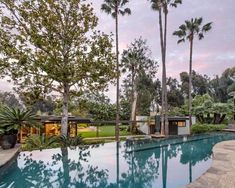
x,y
170,163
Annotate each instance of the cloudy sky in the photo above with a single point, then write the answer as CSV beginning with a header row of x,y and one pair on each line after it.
x,y
212,55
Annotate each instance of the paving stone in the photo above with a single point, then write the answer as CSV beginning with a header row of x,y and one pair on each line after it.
x,y
7,155
222,172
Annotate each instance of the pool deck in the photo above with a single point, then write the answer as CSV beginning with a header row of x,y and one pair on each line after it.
x,y
7,155
222,172
229,130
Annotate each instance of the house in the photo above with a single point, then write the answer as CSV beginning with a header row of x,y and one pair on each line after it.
x,y
152,124
50,126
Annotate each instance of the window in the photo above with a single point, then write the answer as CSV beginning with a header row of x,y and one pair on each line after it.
x,y
181,124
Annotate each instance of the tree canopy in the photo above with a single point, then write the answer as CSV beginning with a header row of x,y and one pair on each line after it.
x,y
55,45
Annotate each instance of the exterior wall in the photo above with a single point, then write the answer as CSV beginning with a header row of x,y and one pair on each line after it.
x,y
143,126
186,130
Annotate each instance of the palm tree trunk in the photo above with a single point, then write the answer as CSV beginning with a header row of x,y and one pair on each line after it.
x,y
117,70
133,108
163,70
64,120
190,84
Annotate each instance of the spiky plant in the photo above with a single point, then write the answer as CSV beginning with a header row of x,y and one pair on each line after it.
x,y
36,142
12,119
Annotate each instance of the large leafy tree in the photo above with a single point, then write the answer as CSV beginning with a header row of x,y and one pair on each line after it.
x,y
116,8
222,85
137,64
162,6
188,31
200,84
207,111
9,99
175,97
55,45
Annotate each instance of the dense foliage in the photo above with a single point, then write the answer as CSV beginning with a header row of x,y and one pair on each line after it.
x,y
208,111
206,128
55,46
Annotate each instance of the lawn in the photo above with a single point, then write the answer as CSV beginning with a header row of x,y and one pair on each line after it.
x,y
104,131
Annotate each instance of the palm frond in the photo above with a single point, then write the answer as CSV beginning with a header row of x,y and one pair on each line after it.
x,y
107,9
192,28
181,40
207,27
175,3
200,36
13,119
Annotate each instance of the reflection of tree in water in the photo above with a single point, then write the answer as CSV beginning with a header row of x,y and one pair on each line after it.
x,y
199,150
37,173
142,166
168,152
34,174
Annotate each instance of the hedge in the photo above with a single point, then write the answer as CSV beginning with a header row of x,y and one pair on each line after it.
x,y
205,128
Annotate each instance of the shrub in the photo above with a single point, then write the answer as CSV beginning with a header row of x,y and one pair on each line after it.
x,y
70,142
205,128
36,142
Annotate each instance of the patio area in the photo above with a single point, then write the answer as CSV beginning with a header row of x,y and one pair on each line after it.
x,y
222,172
7,155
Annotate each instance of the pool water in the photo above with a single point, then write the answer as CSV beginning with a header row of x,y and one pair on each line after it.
x,y
170,163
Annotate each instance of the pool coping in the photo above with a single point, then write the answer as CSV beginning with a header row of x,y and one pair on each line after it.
x,y
222,172
6,156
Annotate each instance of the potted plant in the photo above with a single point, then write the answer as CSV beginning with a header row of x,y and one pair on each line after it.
x,y
11,120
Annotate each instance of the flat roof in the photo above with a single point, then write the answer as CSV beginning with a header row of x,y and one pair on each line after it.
x,y
58,119
177,118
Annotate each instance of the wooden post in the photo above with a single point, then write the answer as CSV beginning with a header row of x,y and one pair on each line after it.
x,y
97,130
76,129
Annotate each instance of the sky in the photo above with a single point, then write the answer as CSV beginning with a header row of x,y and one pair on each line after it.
x,y
211,56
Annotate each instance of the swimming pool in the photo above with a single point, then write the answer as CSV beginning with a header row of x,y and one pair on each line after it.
x,y
170,163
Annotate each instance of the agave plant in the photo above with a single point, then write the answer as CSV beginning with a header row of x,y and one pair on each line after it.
x,y
11,119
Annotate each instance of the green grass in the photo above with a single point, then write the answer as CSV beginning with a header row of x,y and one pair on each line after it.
x,y
104,131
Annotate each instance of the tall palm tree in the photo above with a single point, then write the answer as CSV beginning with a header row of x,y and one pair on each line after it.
x,y
188,31
116,8
162,6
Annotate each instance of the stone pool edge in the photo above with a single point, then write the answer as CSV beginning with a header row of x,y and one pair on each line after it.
x,y
222,172
7,156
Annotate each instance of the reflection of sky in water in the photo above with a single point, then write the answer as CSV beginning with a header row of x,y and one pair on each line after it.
x,y
162,166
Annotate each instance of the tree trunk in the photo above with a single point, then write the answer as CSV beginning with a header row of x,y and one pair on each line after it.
x,y
164,73
133,109
117,70
64,120
216,118
222,118
190,84
163,70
